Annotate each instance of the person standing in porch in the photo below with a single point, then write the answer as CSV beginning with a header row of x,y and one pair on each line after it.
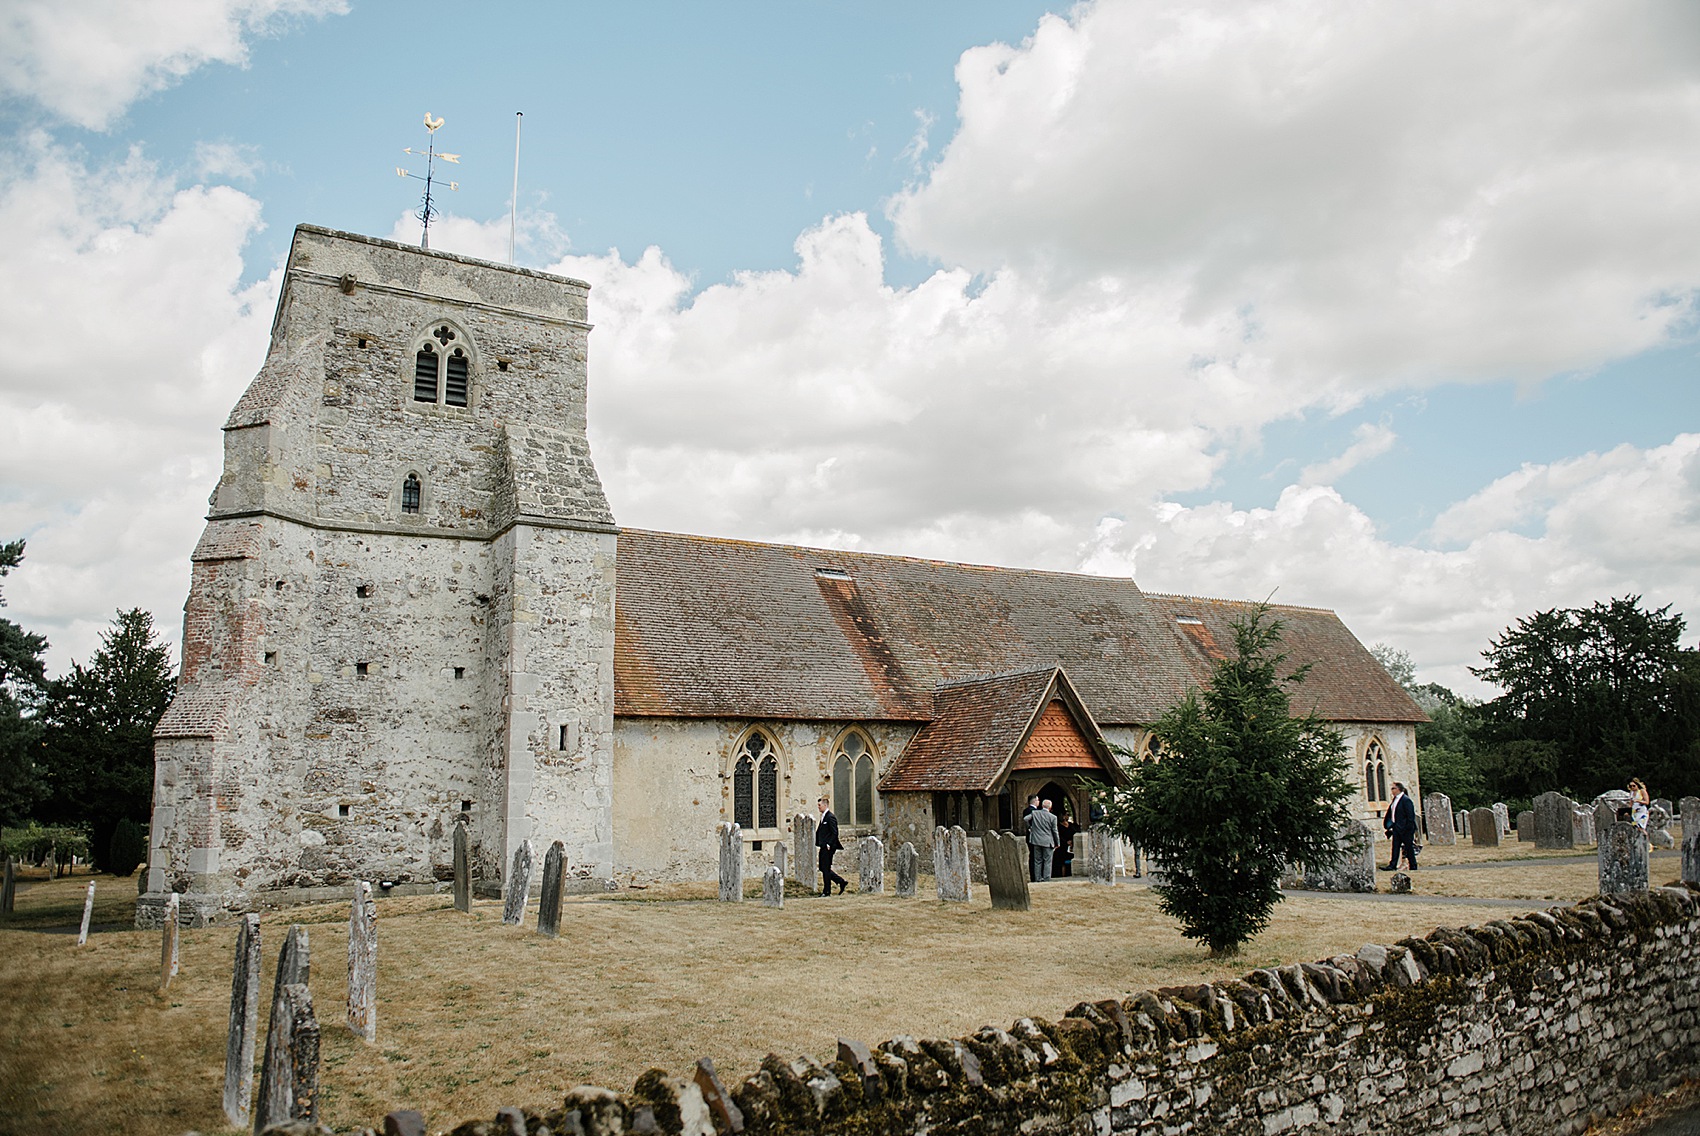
x,y
826,840
1041,841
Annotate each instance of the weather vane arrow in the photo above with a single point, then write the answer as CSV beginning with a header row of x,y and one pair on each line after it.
x,y
431,155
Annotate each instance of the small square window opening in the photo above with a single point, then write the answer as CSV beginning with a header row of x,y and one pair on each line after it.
x,y
364,591
360,669
342,810
563,744
460,673
271,658
466,806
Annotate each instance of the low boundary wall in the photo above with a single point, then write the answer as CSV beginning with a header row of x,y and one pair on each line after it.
x,y
1526,1025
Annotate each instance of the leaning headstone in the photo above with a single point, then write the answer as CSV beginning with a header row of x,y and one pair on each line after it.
x,y
1554,826
1658,827
1526,826
1622,858
463,868
289,1079
1690,815
1581,826
1354,870
1101,854
9,890
1006,871
950,863
1484,828
88,913
1437,815
780,857
1502,818
1691,855
294,968
803,860
772,887
731,862
363,964
244,1023
871,862
908,868
554,884
168,942
519,884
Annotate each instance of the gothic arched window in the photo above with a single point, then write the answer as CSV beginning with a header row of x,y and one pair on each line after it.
x,y
410,493
755,783
1375,773
853,796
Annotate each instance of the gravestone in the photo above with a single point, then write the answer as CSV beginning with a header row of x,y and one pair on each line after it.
x,y
870,857
1622,858
519,884
1690,815
1484,828
1606,806
908,867
950,863
289,1079
780,858
1658,827
1555,826
772,887
244,1023
88,913
463,867
1526,826
9,890
1690,855
731,862
363,964
1101,854
168,942
1664,803
1581,826
805,863
1502,818
1463,824
294,968
1437,816
1400,884
1354,871
554,884
1006,871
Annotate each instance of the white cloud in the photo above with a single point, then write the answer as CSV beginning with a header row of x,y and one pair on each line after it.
x,y
88,60
1370,440
216,161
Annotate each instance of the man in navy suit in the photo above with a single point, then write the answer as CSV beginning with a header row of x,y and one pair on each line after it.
x,y
826,839
1401,825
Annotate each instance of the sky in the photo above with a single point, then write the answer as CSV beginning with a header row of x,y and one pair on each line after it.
x,y
1388,309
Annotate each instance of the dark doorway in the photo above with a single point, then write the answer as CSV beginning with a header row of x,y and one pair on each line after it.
x,y
1063,805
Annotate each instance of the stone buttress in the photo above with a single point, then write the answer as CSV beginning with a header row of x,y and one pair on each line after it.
x,y
401,614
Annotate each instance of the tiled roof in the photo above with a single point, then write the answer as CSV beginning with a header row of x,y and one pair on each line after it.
x,y
708,627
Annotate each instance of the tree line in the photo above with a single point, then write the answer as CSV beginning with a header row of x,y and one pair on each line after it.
x,y
76,752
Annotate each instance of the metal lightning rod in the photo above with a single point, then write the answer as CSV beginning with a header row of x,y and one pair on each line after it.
x,y
427,210
513,204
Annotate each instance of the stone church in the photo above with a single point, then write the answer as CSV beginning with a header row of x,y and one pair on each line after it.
x,y
411,608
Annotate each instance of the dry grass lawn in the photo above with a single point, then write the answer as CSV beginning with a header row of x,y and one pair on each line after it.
x,y
474,1015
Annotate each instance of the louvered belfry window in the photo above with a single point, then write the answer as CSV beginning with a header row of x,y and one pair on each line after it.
x,y
425,375
454,382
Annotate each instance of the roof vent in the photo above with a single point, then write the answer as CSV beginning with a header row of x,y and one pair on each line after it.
x,y
1187,619
832,573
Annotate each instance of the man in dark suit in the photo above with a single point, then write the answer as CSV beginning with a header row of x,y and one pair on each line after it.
x,y
1041,841
826,839
1401,825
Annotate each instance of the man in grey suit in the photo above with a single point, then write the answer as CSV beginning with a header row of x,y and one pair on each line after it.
x,y
1041,841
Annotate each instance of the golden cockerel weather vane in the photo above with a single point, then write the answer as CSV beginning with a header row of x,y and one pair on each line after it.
x,y
430,154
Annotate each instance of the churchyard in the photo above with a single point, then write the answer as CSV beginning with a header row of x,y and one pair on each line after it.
x,y
473,1014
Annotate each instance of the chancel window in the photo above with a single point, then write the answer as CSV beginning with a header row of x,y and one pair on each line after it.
x,y
1375,773
853,781
441,369
755,783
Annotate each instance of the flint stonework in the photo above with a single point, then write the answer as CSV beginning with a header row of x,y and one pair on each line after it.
x,y
1006,871
731,862
772,887
1400,883
244,1023
950,863
519,884
1658,827
463,868
1526,826
363,964
1100,854
88,913
1554,823
289,1081
168,942
1622,859
870,854
908,864
1484,828
1437,815
1354,871
554,883
805,864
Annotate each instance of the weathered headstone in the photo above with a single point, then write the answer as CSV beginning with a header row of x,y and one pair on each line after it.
x,y
1554,826
1690,815
519,884
950,863
1437,815
1665,804
1622,858
1101,854
780,858
1526,826
168,942
463,867
1463,824
1502,818
1606,807
363,964
244,1023
294,968
731,862
772,887
1658,827
88,913
9,890
1581,826
1400,884
908,867
1354,871
554,885
804,863
289,1079
1484,828
870,855
1691,855
1006,871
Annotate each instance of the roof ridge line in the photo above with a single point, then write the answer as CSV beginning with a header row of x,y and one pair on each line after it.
x,y
1236,603
1051,669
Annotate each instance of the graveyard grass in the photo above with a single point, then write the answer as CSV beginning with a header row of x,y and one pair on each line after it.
x,y
473,1015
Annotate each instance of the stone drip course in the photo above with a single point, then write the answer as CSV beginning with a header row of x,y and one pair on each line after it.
x,y
1532,1024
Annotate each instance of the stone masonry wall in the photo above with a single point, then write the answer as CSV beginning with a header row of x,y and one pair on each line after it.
x,y
1527,1025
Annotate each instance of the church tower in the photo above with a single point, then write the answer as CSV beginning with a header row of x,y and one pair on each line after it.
x,y
401,615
